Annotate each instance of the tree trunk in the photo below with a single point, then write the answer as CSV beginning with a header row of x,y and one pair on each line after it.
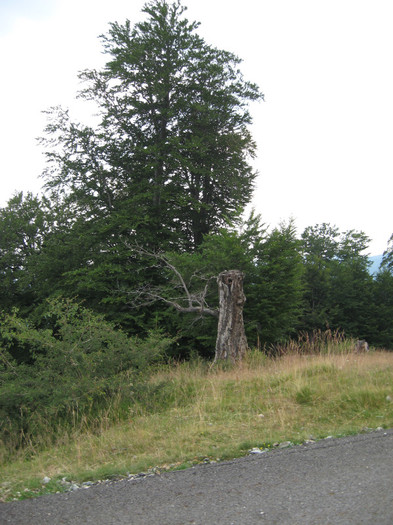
x,y
231,341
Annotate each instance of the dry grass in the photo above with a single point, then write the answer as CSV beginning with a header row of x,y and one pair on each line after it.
x,y
217,413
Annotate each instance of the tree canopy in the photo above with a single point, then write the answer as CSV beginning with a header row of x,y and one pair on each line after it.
x,y
169,160
166,171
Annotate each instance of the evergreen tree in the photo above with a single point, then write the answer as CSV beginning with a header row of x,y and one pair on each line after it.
x,y
272,267
320,244
24,222
169,160
338,285
167,163
351,287
382,310
275,293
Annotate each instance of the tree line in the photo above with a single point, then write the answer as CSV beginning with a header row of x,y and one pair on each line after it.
x,y
156,189
115,265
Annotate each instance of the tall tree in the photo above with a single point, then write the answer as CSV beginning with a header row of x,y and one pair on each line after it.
x,y
275,289
337,280
24,222
382,310
319,247
351,291
169,160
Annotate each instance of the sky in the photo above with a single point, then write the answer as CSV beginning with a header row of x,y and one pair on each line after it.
x,y
324,132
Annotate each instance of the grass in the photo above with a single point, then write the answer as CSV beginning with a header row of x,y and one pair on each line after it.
x,y
189,412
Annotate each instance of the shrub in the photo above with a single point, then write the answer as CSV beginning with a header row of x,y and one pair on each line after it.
x,y
59,374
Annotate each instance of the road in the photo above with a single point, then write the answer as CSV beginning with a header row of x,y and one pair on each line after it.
x,y
334,481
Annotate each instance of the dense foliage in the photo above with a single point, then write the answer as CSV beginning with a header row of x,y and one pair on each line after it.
x,y
69,369
168,160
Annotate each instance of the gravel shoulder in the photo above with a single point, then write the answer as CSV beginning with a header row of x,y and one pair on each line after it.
x,y
334,481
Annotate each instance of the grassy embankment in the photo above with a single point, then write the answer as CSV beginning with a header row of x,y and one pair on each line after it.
x,y
189,412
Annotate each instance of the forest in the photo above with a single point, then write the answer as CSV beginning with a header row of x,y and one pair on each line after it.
x,y
149,199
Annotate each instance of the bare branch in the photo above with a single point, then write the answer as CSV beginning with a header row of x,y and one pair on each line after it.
x,y
195,302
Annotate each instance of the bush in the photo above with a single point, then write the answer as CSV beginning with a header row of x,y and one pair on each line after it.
x,y
57,375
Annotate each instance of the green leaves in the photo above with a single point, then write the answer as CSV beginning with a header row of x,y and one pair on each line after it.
x,y
273,286
337,281
166,164
24,223
173,139
74,363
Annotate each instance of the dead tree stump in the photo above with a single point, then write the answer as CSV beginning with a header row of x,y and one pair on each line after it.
x,y
231,341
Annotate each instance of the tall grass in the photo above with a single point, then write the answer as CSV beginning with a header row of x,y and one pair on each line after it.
x,y
324,342
186,412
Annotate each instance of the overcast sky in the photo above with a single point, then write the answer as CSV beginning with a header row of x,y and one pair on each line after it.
x,y
324,132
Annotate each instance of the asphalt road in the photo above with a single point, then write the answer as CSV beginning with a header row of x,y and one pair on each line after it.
x,y
335,481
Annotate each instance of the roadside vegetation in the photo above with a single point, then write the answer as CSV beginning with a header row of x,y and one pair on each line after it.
x,y
107,276
187,413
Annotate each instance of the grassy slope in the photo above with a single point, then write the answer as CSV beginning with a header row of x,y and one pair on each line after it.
x,y
194,412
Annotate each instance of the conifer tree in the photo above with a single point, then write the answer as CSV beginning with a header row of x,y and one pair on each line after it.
x,y
169,160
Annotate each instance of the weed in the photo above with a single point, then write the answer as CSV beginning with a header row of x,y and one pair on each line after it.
x,y
305,395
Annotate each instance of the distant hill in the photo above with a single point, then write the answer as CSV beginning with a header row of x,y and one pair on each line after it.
x,y
376,261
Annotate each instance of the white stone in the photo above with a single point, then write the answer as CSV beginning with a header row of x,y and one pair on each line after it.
x,y
256,450
285,444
